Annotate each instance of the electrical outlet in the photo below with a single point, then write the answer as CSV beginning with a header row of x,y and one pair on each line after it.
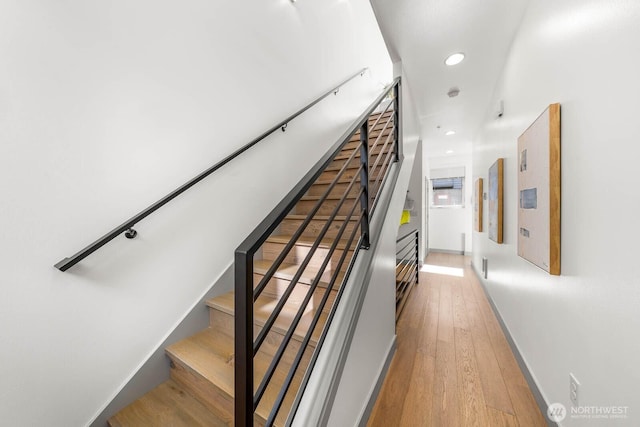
x,y
574,388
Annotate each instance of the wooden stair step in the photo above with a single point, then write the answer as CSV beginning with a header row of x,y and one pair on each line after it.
x,y
210,355
262,310
355,142
286,271
341,180
345,154
381,122
329,197
292,223
330,174
214,375
353,164
275,244
307,241
336,166
319,217
169,404
374,115
319,189
308,203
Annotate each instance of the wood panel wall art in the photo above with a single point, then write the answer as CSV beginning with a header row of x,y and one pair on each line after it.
x,y
539,191
496,200
477,205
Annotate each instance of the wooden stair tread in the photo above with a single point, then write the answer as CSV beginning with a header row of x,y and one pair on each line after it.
x,y
320,217
287,271
208,353
338,166
193,353
166,405
262,310
375,152
342,180
308,241
329,197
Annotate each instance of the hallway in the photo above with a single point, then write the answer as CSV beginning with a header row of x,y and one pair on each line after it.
x,y
453,366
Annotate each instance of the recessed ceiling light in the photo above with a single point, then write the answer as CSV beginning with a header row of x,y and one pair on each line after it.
x,y
449,151
450,132
454,59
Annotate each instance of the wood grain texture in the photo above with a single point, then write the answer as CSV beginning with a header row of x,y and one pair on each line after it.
x,y
477,206
418,405
403,361
472,404
453,365
167,405
554,189
446,394
500,419
496,201
500,200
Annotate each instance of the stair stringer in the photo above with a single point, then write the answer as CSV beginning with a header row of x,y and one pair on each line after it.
x,y
368,304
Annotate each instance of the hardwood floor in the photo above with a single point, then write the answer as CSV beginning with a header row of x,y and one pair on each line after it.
x,y
453,365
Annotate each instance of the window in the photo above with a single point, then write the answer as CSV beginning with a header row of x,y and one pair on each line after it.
x,y
447,192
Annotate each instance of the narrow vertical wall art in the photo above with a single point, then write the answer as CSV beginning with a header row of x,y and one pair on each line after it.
x,y
477,205
539,191
496,200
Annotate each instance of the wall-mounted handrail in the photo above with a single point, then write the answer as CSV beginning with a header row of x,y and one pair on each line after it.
x,y
127,226
247,342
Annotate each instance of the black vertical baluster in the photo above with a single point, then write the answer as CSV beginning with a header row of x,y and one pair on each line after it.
x,y
397,92
364,181
243,339
417,257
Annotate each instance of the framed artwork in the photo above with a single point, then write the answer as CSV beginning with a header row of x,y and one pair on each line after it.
x,y
496,200
477,205
539,191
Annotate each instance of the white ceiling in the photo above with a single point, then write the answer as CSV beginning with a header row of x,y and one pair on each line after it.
x,y
422,33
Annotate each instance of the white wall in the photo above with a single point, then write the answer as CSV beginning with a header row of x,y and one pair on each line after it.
x,y
415,192
411,131
584,55
446,225
106,107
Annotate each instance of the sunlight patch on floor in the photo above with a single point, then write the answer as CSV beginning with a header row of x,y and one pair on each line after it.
x,y
439,269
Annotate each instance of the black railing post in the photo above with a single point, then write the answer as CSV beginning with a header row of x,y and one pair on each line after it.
x,y
364,181
243,339
417,256
397,97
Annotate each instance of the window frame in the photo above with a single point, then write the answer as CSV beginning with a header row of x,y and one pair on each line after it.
x,y
434,192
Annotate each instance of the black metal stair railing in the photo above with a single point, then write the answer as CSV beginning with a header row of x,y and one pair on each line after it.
x,y
407,267
355,169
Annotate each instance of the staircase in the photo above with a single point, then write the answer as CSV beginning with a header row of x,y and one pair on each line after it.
x,y
200,391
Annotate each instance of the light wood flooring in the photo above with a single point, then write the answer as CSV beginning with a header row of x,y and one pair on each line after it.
x,y
453,366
